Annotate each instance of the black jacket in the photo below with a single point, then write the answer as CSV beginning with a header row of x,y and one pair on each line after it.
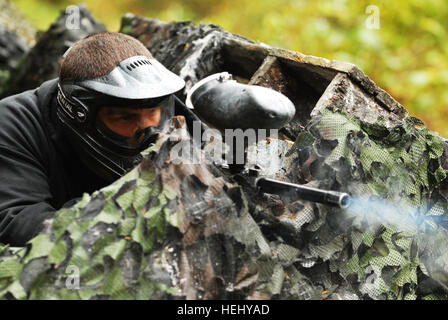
x,y
39,171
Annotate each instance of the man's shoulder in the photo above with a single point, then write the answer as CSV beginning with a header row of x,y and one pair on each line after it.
x,y
21,115
31,100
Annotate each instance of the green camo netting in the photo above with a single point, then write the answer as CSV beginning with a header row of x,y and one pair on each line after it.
x,y
126,239
398,175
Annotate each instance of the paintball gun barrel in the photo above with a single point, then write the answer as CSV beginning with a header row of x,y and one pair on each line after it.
x,y
296,191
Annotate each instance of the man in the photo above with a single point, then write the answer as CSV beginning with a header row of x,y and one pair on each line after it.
x,y
80,132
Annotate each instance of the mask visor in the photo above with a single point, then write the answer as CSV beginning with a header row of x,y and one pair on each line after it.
x,y
132,129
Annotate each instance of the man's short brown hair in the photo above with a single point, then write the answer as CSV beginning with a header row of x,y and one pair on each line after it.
x,y
98,54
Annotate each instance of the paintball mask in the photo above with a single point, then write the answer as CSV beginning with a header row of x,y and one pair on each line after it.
x,y
137,85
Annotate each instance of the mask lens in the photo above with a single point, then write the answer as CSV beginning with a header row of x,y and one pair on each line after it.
x,y
132,127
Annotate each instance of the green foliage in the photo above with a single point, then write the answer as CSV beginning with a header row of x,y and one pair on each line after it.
x,y
406,56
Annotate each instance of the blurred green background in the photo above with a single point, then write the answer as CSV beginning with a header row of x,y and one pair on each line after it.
x,y
406,56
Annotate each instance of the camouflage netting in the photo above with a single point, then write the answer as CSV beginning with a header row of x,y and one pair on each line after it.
x,y
170,230
391,243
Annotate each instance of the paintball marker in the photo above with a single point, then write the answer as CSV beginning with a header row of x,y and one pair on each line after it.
x,y
223,103
296,191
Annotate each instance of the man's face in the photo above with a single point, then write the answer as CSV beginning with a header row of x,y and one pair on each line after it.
x,y
128,122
